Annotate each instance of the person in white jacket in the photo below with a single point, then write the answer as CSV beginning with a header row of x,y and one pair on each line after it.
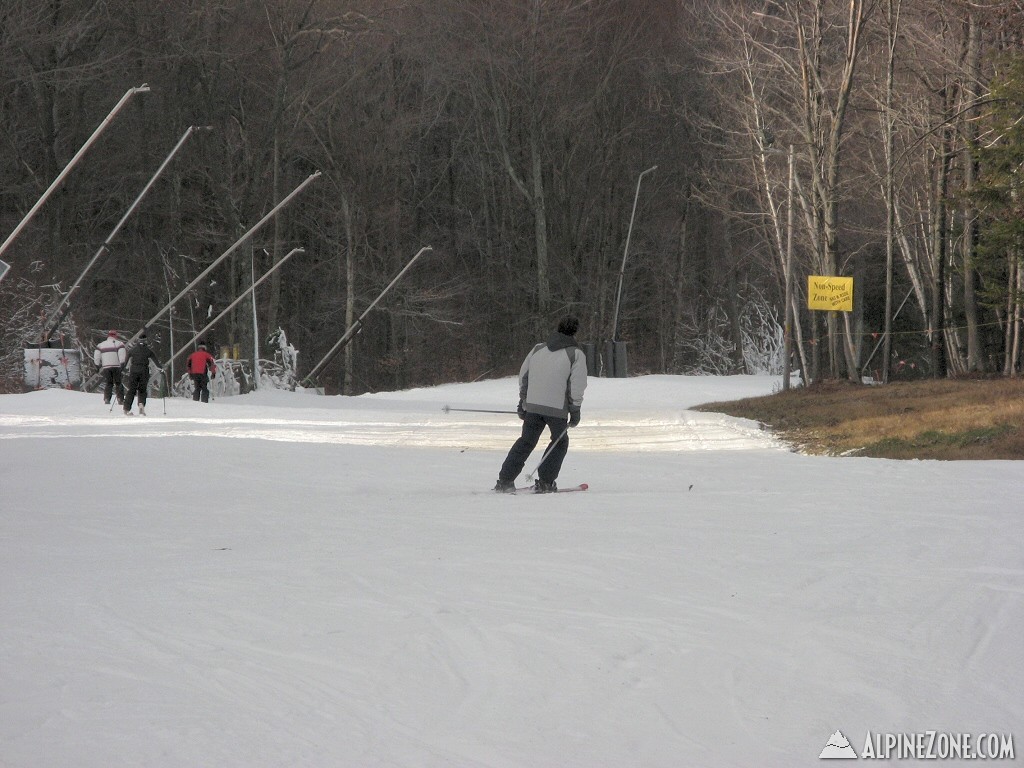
x,y
110,356
552,380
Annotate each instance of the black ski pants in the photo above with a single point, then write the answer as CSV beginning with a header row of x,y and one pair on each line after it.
x,y
137,383
200,387
533,428
112,385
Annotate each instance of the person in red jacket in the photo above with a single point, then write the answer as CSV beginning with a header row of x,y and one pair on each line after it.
x,y
199,362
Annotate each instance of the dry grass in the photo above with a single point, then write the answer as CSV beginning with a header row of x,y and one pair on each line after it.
x,y
949,419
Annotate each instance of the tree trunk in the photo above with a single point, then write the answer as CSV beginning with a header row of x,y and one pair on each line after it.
x,y
350,291
1015,350
733,306
540,224
274,291
938,313
892,28
975,356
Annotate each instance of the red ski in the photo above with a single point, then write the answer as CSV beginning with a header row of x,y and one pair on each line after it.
x,y
580,487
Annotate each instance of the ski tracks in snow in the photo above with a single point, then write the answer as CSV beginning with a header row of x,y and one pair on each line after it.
x,y
602,432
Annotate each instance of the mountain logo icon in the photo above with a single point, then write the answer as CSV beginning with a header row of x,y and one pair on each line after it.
x,y
838,748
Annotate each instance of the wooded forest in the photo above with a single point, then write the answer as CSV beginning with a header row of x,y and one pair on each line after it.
x,y
670,171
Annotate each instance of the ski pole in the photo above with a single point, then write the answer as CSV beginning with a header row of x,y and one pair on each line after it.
x,y
554,442
448,409
115,390
164,376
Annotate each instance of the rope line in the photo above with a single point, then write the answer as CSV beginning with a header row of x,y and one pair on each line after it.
x,y
879,334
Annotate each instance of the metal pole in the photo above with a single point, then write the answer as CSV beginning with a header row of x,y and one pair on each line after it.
x,y
218,260
229,251
170,318
255,323
359,321
787,334
554,442
625,252
106,243
448,409
71,164
232,305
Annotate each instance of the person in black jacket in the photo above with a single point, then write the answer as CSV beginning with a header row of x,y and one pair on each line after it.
x,y
138,374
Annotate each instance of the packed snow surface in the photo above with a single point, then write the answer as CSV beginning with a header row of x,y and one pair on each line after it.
x,y
285,579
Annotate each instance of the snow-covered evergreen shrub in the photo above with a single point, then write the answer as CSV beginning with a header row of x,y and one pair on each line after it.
x,y
763,338
281,372
224,384
235,377
706,345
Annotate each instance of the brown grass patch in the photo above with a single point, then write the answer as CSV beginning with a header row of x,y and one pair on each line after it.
x,y
970,418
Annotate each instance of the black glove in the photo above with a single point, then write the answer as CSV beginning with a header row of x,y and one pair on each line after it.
x,y
574,417
521,411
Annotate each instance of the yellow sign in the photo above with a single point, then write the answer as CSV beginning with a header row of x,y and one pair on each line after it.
x,y
831,293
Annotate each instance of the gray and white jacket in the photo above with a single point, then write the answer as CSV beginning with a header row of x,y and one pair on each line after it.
x,y
553,377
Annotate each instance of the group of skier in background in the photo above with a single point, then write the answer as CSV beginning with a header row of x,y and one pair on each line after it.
x,y
125,371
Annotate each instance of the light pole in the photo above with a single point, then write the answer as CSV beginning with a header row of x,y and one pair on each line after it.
x,y
625,253
787,332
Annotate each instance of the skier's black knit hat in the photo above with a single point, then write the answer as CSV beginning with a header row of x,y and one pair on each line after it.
x,y
569,325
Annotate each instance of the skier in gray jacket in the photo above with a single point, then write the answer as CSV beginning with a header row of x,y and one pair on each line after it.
x,y
551,384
